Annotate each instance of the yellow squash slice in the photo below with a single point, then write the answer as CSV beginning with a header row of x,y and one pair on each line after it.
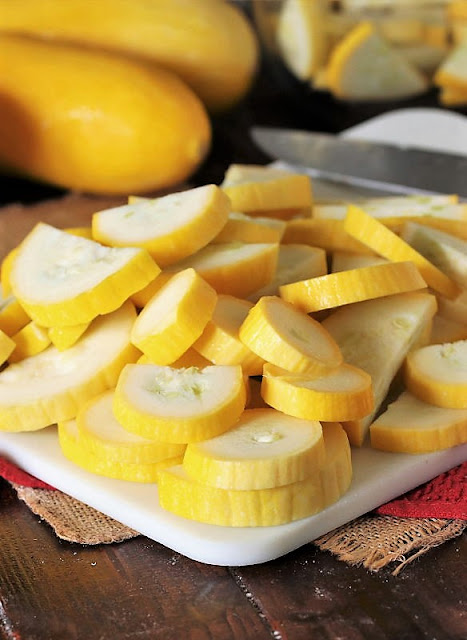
x,y
444,250
343,394
7,346
262,507
51,386
261,191
12,316
220,342
61,279
174,317
264,449
301,36
103,436
171,227
295,262
234,268
376,335
65,337
354,285
387,244
326,233
243,228
437,374
75,450
363,66
410,425
29,341
179,405
285,336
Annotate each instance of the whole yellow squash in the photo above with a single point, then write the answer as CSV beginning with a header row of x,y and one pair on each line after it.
x,y
93,121
209,43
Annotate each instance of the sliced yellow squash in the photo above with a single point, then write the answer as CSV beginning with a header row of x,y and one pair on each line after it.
x,y
363,66
29,341
285,336
261,507
174,317
103,436
179,405
353,285
437,374
171,227
375,335
220,342
264,449
75,450
51,386
387,244
410,425
234,268
343,394
61,279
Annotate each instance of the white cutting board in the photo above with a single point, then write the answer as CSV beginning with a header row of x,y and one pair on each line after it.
x,y
378,476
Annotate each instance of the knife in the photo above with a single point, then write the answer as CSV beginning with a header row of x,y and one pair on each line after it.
x,y
394,168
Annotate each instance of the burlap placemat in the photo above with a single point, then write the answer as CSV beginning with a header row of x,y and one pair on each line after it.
x,y
371,541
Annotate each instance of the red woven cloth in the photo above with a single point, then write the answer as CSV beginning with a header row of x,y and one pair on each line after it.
x,y
12,473
443,497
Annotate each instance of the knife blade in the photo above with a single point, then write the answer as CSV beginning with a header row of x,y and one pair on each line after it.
x,y
394,168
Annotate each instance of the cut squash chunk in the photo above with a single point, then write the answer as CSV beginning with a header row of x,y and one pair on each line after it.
x,y
103,436
452,73
295,262
179,405
174,317
325,233
7,346
264,449
363,66
283,335
344,260
235,268
255,190
410,425
242,228
65,337
343,394
437,374
12,316
75,450
387,244
376,335
354,285
301,36
171,227
220,342
5,271
444,250
61,279
261,507
403,207
51,386
29,341
142,297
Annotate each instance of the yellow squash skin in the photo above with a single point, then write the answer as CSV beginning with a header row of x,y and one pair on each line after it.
x,y
96,122
208,43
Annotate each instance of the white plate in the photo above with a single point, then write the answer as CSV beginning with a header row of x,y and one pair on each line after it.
x,y
378,478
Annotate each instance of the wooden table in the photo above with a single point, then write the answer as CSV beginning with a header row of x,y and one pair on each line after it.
x,y
53,590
